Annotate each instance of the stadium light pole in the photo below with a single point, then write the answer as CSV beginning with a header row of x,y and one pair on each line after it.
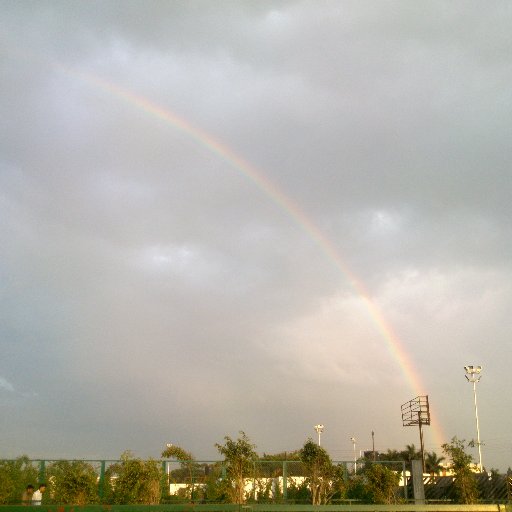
x,y
319,429
473,375
353,439
168,470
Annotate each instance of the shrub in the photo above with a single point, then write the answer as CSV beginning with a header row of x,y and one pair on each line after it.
x,y
133,481
73,482
377,484
15,475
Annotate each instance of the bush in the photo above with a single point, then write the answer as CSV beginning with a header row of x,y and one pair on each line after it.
x,y
73,482
134,481
15,475
377,484
466,489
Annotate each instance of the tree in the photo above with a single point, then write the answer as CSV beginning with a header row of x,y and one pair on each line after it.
x,y
433,463
393,456
377,484
283,456
73,482
239,458
465,485
271,465
410,453
187,462
324,478
133,480
15,475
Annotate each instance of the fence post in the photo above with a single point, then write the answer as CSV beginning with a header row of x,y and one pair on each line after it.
x,y
101,489
164,481
42,471
406,493
285,481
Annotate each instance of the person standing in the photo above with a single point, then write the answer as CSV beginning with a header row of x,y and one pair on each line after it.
x,y
37,497
26,497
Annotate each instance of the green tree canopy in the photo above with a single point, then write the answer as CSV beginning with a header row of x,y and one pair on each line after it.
x,y
239,458
173,451
376,484
433,463
466,489
133,480
15,475
325,479
73,482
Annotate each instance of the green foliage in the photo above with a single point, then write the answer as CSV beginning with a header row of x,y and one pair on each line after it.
x,y
395,456
298,492
433,463
324,478
73,482
432,460
465,485
175,452
239,458
189,471
133,481
15,475
411,453
377,484
217,489
282,456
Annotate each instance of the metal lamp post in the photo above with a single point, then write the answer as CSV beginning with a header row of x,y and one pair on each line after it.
x,y
353,439
319,429
473,375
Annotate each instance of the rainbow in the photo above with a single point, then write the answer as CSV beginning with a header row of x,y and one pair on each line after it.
x,y
271,190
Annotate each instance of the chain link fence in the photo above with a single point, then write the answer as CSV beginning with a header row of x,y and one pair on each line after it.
x,y
201,482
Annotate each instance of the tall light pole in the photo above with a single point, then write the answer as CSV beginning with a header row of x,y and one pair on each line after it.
x,y
319,429
353,439
168,468
473,375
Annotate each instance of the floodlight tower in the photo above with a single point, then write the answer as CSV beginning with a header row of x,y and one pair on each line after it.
x,y
319,429
473,375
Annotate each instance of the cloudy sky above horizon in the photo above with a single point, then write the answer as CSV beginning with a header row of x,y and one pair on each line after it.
x,y
209,209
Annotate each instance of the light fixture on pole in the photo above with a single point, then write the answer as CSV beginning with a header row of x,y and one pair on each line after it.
x,y
473,375
319,429
353,439
168,469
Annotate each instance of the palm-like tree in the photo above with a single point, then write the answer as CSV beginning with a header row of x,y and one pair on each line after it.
x,y
433,463
411,453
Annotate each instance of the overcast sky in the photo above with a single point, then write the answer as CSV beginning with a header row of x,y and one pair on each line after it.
x,y
209,210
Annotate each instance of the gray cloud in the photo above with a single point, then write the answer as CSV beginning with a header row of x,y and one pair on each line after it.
x,y
153,291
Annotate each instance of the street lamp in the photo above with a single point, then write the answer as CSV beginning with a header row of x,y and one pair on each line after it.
x,y
353,439
473,375
319,429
